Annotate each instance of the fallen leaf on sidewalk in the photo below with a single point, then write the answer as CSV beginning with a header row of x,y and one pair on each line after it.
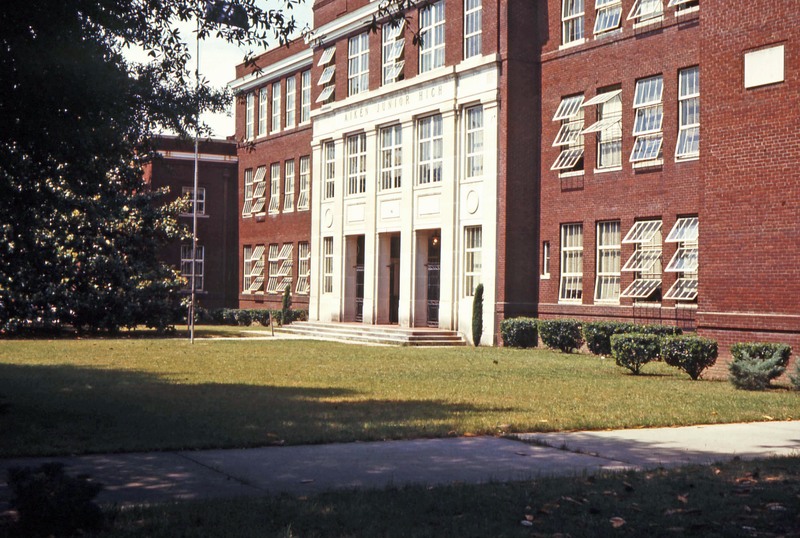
x,y
684,498
617,522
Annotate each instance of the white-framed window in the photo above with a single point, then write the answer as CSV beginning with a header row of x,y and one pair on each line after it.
x,y
608,128
276,107
280,267
188,193
645,261
190,265
291,90
609,255
249,191
688,145
392,47
571,21
571,285
649,116
545,259
358,64
608,15
473,119
473,28
391,157
249,110
644,10
253,273
329,169
275,188
431,33
262,111
259,190
681,5
357,164
327,265
685,261
304,198
473,258
305,96
288,186
430,149
303,268
569,137
327,80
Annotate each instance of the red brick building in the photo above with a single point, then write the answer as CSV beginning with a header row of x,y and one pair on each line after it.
x,y
217,225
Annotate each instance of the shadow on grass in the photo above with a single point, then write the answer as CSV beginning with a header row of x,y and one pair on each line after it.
x,y
73,410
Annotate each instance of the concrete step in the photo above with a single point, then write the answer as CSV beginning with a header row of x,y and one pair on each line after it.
x,y
375,334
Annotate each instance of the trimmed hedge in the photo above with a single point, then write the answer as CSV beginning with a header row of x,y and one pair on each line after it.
x,y
658,330
598,333
519,332
244,317
634,350
562,334
692,354
755,364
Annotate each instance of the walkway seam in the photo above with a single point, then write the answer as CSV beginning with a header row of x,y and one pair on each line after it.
x,y
243,482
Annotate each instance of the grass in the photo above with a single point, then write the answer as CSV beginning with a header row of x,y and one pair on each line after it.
x,y
732,499
108,395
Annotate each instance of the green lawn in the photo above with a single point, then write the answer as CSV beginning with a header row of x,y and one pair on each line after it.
x,y
130,394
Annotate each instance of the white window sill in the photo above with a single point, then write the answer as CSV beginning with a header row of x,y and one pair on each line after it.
x,y
428,186
607,33
687,159
544,277
648,164
649,22
571,174
570,301
682,12
607,170
571,44
607,302
290,210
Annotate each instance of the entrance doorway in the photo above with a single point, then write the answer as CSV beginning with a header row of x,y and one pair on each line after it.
x,y
394,280
359,278
434,278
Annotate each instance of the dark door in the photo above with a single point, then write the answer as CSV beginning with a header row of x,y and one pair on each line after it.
x,y
360,278
434,272
394,280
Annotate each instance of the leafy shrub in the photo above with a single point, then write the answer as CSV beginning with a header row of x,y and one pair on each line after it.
x,y
634,350
658,330
598,335
229,316
691,354
286,305
795,379
477,315
50,503
563,334
243,317
260,316
754,365
519,332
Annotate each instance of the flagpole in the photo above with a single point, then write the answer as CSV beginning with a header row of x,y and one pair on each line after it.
x,y
194,189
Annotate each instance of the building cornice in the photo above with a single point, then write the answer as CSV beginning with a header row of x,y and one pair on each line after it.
x,y
274,70
348,23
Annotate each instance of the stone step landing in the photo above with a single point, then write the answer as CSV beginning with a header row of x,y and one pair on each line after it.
x,y
391,335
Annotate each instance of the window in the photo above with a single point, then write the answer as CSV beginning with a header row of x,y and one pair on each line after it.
x,y
689,113
608,128
644,10
431,147
645,261
259,190
685,232
431,33
571,286
274,187
305,184
680,5
327,265
358,64
262,111
473,263
393,43
474,142
188,268
280,268
276,107
357,164
391,157
473,11
327,80
649,117
248,115
545,259
571,21
291,84
329,169
303,268
608,15
253,274
609,253
569,136
288,186
188,193
305,97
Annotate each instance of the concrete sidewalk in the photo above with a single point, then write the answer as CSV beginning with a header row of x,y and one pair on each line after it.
x,y
206,474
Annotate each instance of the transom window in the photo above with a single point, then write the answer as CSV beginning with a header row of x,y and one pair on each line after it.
x,y
392,52
571,285
431,33
608,15
357,164
288,186
431,147
474,141
473,260
358,64
327,265
303,268
391,157
569,137
644,10
473,14
262,111
276,107
649,115
329,169
291,88
685,233
608,128
645,260
188,193
609,254
193,265
305,96
689,113
274,187
303,198
571,21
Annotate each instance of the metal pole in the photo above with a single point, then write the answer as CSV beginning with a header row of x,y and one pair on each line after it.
x,y
194,189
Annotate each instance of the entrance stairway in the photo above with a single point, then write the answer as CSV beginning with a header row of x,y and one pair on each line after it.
x,y
391,335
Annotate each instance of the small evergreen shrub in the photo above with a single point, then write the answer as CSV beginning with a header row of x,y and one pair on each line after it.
x,y
598,335
477,315
260,316
795,378
754,365
658,330
634,350
243,317
563,334
519,332
229,316
692,354
50,503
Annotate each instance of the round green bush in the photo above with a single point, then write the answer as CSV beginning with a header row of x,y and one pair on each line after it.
x,y
634,350
692,354
519,332
562,334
